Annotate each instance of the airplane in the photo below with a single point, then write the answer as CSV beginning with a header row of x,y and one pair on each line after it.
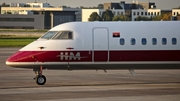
x,y
102,46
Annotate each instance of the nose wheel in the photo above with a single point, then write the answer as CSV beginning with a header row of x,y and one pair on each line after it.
x,y
40,79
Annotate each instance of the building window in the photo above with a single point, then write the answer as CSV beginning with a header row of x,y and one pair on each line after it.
x,y
122,41
142,13
17,27
154,41
148,13
17,19
144,41
151,13
122,13
158,13
133,41
164,41
137,13
155,13
145,13
118,13
174,13
174,41
114,13
60,18
134,13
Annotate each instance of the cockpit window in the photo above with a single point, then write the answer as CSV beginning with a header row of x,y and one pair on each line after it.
x,y
49,35
63,35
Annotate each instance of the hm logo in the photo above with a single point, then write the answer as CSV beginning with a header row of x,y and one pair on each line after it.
x,y
69,56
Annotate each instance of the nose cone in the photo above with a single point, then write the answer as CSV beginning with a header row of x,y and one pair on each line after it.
x,y
12,60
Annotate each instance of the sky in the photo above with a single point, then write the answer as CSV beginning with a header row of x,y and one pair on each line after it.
x,y
161,4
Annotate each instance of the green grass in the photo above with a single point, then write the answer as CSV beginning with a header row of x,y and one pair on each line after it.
x,y
22,30
17,40
19,36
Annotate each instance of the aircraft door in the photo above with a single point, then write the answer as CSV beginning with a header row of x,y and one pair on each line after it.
x,y
100,45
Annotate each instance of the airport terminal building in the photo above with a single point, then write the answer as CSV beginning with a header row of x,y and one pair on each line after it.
x,y
36,16
21,21
43,16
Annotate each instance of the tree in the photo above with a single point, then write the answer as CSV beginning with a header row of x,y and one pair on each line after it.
x,y
82,7
107,15
121,18
63,6
166,16
95,17
139,18
157,18
5,5
8,13
100,6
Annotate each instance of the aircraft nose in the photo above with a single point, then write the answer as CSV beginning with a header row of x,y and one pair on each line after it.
x,y
8,63
12,59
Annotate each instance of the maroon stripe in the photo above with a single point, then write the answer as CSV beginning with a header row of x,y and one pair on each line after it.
x,y
99,56
165,55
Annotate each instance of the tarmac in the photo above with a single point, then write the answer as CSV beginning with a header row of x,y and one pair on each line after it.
x,y
117,85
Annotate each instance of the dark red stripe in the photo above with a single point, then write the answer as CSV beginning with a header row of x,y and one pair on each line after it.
x,y
99,56
165,55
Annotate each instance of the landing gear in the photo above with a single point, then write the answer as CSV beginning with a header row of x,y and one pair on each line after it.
x,y
40,79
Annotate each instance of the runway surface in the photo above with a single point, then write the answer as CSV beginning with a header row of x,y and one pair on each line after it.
x,y
146,85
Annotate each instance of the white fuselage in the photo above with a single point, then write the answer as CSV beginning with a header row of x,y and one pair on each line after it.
x,y
105,45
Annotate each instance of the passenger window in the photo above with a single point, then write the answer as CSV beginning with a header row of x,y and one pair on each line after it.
x,y
122,41
164,41
144,41
133,41
154,41
174,41
64,35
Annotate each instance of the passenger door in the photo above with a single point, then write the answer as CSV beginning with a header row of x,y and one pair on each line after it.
x,y
100,44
